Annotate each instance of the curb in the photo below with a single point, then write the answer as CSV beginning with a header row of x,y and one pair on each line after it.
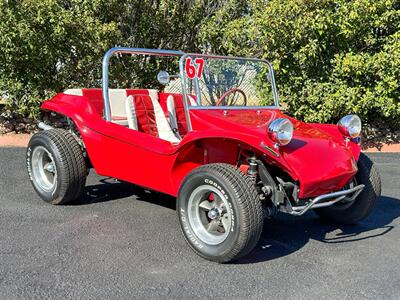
x,y
385,148
14,140
21,140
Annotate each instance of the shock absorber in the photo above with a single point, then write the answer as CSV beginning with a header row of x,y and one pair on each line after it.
x,y
265,191
252,172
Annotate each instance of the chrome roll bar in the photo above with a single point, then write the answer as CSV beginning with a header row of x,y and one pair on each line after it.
x,y
183,56
125,50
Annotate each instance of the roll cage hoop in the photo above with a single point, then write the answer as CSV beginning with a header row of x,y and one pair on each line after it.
x,y
183,56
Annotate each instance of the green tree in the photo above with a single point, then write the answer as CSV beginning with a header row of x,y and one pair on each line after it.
x,y
332,57
49,45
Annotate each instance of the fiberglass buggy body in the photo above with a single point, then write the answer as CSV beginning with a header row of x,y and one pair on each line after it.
x,y
214,137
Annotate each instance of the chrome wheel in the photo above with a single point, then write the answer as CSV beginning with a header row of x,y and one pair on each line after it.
x,y
209,214
44,171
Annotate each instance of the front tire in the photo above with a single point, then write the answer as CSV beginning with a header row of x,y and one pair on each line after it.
x,y
56,166
219,212
365,202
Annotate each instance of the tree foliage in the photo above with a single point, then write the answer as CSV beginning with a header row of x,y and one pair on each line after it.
x,y
331,57
49,45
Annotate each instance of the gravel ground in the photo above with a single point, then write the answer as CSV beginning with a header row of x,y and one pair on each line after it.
x,y
120,241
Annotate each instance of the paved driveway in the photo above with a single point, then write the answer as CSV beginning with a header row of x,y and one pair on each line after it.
x,y
122,242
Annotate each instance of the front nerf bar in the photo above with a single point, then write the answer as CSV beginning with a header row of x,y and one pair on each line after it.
x,y
316,202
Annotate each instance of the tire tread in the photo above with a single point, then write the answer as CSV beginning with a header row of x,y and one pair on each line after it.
x,y
365,201
72,163
250,206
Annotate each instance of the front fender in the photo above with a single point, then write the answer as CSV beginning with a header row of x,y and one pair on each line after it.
x,y
333,130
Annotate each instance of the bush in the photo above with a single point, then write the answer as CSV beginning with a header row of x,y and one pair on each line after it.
x,y
50,45
332,57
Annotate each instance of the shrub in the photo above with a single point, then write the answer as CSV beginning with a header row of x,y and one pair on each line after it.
x,y
49,45
332,57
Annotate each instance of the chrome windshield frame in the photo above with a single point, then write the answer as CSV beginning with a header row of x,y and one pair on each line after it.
x,y
198,95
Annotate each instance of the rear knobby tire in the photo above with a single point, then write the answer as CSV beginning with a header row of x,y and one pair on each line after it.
x,y
56,166
236,198
365,202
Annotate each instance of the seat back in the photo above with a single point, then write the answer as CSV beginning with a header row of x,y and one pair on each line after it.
x,y
163,126
143,111
146,115
131,113
117,102
173,121
173,105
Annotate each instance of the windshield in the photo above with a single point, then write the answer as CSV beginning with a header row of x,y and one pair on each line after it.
x,y
220,82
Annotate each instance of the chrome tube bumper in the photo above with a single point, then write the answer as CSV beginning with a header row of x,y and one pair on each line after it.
x,y
316,202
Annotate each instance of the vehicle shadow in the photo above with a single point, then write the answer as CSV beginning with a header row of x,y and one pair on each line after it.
x,y
109,189
287,234
281,236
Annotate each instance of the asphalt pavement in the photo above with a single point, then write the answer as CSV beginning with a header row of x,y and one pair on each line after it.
x,y
122,242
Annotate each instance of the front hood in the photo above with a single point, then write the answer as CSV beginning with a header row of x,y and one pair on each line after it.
x,y
319,159
323,162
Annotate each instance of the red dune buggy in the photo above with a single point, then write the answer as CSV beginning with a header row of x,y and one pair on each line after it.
x,y
212,134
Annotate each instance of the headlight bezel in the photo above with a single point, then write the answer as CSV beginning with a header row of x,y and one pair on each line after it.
x,y
280,131
350,126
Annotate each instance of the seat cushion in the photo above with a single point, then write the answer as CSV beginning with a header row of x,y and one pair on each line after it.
x,y
164,128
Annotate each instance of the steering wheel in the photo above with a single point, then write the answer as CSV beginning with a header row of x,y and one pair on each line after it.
x,y
231,91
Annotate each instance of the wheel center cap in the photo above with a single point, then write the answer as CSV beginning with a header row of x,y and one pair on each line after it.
x,y
213,213
50,167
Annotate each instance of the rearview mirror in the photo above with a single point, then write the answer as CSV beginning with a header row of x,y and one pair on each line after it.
x,y
163,77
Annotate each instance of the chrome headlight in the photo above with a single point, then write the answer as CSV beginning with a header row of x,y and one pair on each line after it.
x,y
350,126
281,131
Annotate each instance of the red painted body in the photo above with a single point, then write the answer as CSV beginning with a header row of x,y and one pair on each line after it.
x,y
317,157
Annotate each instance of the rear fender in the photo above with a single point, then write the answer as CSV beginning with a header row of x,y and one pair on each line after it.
x,y
80,111
77,108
